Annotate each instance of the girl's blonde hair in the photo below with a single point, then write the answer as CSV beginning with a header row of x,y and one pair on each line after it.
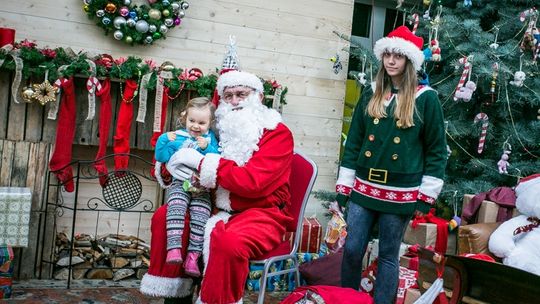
x,y
405,108
198,103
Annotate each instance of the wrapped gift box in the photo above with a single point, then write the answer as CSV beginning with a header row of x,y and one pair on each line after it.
x,y
15,205
487,213
6,271
424,234
411,295
407,279
372,252
311,235
409,262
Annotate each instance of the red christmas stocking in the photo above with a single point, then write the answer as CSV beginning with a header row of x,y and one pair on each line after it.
x,y
65,132
105,116
123,126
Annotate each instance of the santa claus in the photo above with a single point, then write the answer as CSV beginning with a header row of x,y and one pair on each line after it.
x,y
252,193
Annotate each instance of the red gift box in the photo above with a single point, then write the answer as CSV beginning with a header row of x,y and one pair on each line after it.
x,y
311,235
7,36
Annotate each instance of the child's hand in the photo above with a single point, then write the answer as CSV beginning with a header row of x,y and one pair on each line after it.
x,y
202,142
171,136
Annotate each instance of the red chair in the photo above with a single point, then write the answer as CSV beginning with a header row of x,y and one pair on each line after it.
x,y
303,174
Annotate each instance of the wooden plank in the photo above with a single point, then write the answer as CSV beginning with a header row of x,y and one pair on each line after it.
x,y
5,83
16,118
314,107
19,168
8,153
34,122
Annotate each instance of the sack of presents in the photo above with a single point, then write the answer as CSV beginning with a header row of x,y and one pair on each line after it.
x,y
6,271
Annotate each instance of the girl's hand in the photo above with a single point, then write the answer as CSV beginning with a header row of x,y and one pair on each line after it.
x,y
201,142
171,136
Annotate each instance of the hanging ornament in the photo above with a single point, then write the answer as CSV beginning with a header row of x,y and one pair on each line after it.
x,y
464,90
118,35
427,2
362,74
494,75
106,20
467,3
152,28
495,45
118,22
163,29
482,117
148,39
337,66
519,76
27,93
503,164
399,3
100,13
127,2
184,5
129,39
44,92
538,116
456,220
175,7
169,22
527,42
142,26
166,13
124,11
415,20
154,14
131,22
110,8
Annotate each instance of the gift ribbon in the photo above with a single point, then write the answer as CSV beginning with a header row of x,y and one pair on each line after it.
x,y
53,109
143,97
91,86
8,50
159,98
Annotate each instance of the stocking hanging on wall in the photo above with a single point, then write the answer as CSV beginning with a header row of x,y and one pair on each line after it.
x,y
65,132
123,126
105,116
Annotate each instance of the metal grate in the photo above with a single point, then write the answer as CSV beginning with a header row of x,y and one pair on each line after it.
x,y
123,190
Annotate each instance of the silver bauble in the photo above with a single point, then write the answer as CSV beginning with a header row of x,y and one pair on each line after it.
x,y
181,14
185,5
141,26
165,2
100,13
118,22
130,22
118,35
127,2
106,20
163,29
152,28
175,6
168,22
87,2
27,93
148,39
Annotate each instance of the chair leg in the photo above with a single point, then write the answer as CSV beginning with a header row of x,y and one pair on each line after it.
x,y
262,287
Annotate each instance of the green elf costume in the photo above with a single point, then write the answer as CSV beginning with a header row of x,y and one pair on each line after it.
x,y
391,169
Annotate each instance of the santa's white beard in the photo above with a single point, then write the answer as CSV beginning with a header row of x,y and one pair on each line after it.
x,y
241,127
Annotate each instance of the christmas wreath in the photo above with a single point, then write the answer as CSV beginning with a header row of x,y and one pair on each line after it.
x,y
136,24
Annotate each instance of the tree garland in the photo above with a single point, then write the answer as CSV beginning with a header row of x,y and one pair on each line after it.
x,y
136,24
39,62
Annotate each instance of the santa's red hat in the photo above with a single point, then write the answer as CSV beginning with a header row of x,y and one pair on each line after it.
x,y
402,41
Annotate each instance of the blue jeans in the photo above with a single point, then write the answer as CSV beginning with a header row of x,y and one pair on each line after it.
x,y
360,222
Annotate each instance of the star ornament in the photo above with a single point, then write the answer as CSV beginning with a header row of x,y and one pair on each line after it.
x,y
44,92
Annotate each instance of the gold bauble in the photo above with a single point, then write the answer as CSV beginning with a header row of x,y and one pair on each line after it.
x,y
110,8
86,8
27,93
154,14
427,2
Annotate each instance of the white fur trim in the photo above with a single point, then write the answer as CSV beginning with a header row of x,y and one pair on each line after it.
x,y
401,46
157,173
237,78
346,177
208,174
431,186
271,119
223,199
528,194
424,89
210,224
155,286
241,301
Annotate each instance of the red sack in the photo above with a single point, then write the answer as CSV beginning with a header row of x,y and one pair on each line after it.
x,y
330,295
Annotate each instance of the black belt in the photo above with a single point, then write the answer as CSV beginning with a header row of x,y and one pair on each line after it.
x,y
383,176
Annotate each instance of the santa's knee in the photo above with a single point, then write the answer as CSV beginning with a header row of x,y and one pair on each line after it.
x,y
229,245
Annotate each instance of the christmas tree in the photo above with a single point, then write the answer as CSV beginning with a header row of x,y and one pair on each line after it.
x,y
489,48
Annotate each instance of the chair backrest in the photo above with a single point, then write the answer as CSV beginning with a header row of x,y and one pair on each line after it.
x,y
303,175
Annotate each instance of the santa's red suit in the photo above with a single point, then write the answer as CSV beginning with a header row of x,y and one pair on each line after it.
x,y
251,178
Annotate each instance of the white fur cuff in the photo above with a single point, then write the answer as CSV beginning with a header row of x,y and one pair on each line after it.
x,y
346,177
208,174
223,199
155,286
431,186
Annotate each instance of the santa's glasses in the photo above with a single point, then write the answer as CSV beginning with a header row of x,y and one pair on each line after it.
x,y
240,94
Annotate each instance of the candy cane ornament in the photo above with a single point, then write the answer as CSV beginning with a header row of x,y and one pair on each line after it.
x,y
464,75
416,19
485,122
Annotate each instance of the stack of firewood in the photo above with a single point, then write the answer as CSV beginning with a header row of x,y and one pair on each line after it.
x,y
113,256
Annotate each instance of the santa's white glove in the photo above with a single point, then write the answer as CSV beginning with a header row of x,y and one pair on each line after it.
x,y
188,157
180,172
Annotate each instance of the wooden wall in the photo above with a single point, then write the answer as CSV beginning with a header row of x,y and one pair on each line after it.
x,y
290,41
